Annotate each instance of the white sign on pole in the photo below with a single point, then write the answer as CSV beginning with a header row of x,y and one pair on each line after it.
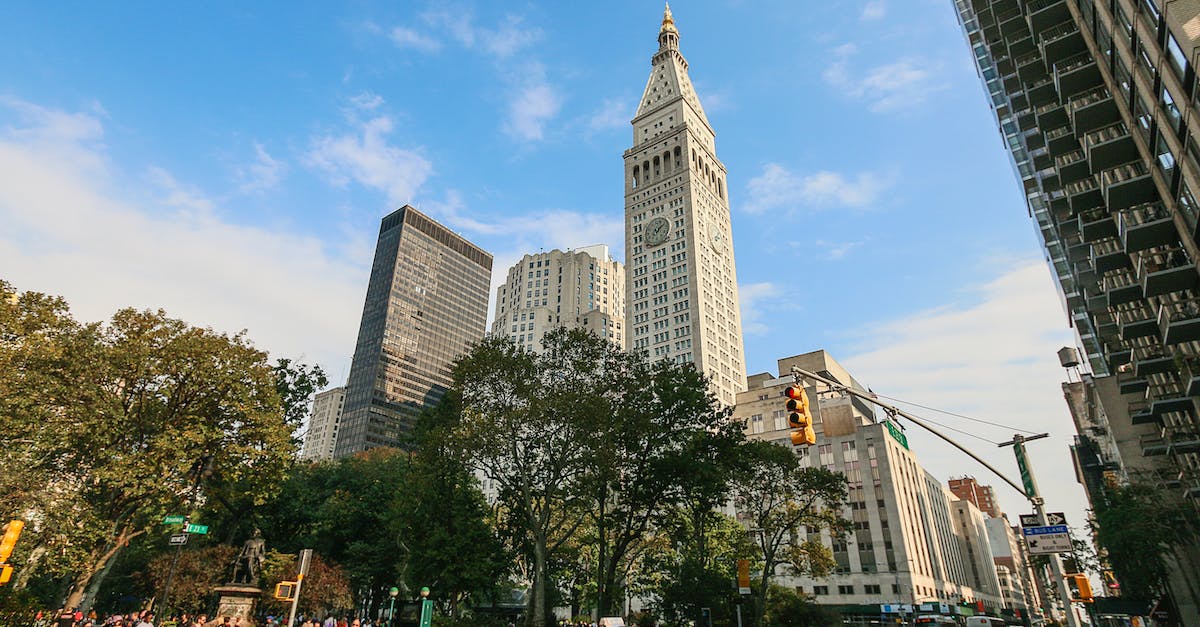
x,y
1047,540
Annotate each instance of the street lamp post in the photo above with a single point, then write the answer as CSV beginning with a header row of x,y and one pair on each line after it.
x,y
394,592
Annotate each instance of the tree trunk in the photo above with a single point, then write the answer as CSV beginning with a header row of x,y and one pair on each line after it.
x,y
21,580
764,582
89,598
537,613
98,562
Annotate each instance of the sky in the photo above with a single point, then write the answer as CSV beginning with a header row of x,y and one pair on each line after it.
x,y
230,162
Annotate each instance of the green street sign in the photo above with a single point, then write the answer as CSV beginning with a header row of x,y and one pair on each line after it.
x,y
172,520
896,433
200,529
1026,478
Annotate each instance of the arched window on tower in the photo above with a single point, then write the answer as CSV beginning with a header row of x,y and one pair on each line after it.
x,y
657,167
667,162
636,172
678,157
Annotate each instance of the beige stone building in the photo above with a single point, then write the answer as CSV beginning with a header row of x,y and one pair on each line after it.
x,y
580,288
321,435
681,278
907,545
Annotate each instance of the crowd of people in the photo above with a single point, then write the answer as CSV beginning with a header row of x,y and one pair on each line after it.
x,y
74,618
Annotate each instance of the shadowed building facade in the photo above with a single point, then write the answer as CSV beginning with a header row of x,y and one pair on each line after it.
x,y
426,303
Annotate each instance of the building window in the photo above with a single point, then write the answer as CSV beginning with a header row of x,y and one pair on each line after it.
x,y
820,590
845,589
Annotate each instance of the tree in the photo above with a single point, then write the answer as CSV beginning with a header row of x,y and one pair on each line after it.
x,y
785,608
325,591
1145,532
196,574
164,401
780,500
523,419
686,580
442,520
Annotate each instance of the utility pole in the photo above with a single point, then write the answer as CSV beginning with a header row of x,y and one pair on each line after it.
x,y
1039,510
305,557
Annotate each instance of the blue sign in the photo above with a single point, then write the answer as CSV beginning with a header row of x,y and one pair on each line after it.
x,y
1043,531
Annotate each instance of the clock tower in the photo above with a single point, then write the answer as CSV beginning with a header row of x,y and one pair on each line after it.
x,y
681,282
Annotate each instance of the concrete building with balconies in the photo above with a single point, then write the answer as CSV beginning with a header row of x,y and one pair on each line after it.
x,y
1096,104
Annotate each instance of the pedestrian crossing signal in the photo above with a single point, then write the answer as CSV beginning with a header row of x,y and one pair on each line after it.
x,y
285,590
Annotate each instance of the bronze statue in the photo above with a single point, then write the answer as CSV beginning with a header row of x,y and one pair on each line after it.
x,y
248,566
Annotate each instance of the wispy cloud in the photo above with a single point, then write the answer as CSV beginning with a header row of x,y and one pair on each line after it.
x,y
778,188
904,83
611,114
261,174
533,104
410,38
837,250
874,10
365,155
752,297
505,39
71,228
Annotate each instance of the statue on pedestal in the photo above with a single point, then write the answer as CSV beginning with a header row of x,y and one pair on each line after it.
x,y
248,566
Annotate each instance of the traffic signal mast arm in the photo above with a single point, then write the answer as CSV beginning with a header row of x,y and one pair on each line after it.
x,y
799,374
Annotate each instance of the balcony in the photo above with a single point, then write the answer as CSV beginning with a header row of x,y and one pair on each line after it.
x,y
1128,185
1122,287
1040,156
1132,385
1145,226
1096,225
1061,139
1013,25
1031,67
1152,364
1072,166
1107,255
1181,439
1042,92
1170,400
1076,74
1189,371
1165,272
1026,119
1021,45
1044,14
1152,444
1140,414
1109,147
1093,109
1061,41
1051,115
1084,194
1179,321
1136,320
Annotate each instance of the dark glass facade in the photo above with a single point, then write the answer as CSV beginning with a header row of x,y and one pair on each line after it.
x,y
426,303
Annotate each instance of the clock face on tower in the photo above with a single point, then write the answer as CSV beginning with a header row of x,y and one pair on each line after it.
x,y
657,230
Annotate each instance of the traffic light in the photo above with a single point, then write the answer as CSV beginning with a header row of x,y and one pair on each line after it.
x,y
5,573
12,531
799,416
285,590
1082,585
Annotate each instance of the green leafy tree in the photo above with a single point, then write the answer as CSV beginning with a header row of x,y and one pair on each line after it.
x,y
785,608
325,591
687,580
197,572
1146,532
781,499
161,400
443,520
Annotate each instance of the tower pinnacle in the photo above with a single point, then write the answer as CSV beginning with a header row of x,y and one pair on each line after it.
x,y
668,36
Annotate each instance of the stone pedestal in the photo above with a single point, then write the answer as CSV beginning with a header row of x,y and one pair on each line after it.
x,y
237,601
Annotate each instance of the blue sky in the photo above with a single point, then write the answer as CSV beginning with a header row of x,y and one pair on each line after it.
x,y
230,163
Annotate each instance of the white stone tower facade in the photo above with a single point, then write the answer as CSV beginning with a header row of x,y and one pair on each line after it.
x,y
681,279
582,288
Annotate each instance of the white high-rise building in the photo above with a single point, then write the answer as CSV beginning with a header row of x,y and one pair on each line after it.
x,y
321,436
582,288
681,280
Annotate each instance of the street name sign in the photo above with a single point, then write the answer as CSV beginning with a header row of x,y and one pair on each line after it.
x,y
172,520
1023,467
1048,539
896,433
200,529
178,539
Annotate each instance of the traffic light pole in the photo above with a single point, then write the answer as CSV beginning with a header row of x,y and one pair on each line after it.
x,y
1018,443
1039,510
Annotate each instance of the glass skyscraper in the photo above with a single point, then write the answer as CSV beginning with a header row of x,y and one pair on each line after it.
x,y
426,303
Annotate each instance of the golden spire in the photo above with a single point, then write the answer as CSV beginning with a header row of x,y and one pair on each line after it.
x,y
668,23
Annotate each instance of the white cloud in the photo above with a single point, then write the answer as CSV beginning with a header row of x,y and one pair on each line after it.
x,y
902,84
873,10
366,101
836,250
752,297
531,106
410,38
72,228
504,40
779,189
365,156
993,359
263,173
612,113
